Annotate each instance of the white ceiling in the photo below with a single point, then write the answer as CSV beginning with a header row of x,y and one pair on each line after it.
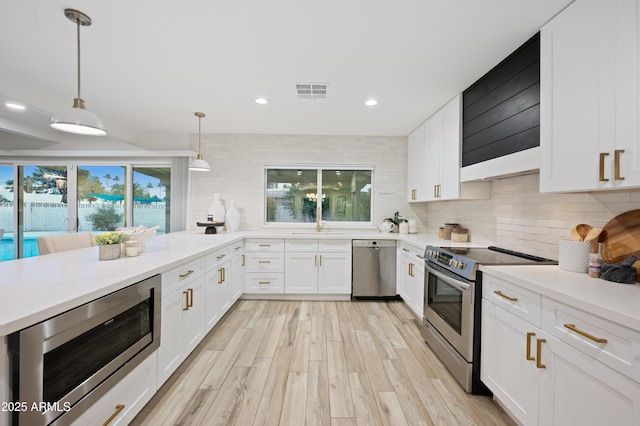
x,y
148,65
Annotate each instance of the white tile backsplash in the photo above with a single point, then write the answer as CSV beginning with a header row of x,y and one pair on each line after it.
x,y
238,161
517,216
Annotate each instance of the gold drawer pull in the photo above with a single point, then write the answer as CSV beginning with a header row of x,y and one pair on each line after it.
x,y
238,248
264,261
264,282
119,408
572,327
539,363
221,256
186,274
601,177
509,298
419,256
529,336
186,299
406,250
616,164
264,245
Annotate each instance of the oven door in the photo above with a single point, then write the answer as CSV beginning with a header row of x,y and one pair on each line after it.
x,y
449,308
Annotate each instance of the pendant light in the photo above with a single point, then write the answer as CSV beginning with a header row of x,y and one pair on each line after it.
x,y
199,165
78,119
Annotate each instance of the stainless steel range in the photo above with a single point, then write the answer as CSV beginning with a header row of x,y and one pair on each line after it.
x,y
452,301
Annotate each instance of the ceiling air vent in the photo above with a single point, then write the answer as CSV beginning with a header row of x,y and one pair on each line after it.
x,y
312,90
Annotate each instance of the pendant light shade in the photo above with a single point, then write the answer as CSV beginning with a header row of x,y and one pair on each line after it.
x,y
199,164
78,119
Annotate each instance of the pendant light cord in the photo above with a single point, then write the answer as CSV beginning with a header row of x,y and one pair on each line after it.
x,y
78,38
199,133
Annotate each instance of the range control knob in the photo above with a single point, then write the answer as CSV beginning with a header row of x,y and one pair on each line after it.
x,y
459,264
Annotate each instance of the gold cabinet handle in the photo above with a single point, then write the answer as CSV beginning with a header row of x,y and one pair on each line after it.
x,y
221,256
224,274
242,260
315,260
419,256
509,298
264,245
435,191
119,408
186,274
439,190
186,300
601,167
264,261
406,250
320,260
572,327
411,269
413,194
190,304
616,164
264,282
220,278
529,336
238,248
539,363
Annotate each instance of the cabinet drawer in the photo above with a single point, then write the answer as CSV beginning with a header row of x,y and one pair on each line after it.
x,y
213,259
301,245
515,299
264,283
125,399
610,343
264,244
174,279
264,262
336,246
410,250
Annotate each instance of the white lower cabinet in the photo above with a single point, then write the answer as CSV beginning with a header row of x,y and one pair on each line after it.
x,y
236,282
317,266
125,400
183,310
264,266
410,276
218,288
542,380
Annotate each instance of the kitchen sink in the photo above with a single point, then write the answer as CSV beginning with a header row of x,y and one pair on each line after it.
x,y
318,233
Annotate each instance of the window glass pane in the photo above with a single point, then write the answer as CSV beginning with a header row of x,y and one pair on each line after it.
x,y
42,205
291,195
101,198
346,195
6,213
151,197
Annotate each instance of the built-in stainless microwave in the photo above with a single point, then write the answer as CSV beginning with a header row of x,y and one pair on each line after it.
x,y
61,366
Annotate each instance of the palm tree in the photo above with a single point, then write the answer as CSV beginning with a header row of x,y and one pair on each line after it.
x,y
107,177
149,186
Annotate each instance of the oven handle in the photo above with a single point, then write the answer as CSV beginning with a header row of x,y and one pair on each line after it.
x,y
448,279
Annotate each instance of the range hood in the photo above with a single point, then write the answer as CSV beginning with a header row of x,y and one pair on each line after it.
x,y
501,118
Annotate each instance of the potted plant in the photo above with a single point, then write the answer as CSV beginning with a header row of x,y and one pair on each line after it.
x,y
110,245
396,220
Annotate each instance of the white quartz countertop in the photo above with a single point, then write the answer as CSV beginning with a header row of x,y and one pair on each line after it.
x,y
38,288
616,302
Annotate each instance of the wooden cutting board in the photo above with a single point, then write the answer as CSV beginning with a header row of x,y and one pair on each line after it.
x,y
621,237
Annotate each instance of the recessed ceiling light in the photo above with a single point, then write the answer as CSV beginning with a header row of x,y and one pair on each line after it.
x,y
13,105
261,101
371,102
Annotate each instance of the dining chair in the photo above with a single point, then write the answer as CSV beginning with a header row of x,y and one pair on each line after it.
x,y
48,244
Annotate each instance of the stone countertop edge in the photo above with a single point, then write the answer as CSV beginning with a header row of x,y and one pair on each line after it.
x,y
616,302
37,288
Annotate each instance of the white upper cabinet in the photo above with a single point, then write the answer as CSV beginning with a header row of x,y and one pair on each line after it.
x,y
589,88
434,159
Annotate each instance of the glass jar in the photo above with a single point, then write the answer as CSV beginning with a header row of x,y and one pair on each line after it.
x,y
460,235
441,232
448,227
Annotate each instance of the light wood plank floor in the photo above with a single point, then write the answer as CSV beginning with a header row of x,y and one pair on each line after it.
x,y
316,363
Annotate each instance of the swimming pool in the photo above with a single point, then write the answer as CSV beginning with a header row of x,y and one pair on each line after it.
x,y
30,244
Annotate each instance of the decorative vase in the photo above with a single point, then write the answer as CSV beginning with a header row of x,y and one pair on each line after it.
x,y
232,220
109,251
216,209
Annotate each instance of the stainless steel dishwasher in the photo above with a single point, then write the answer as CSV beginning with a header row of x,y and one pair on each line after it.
x,y
374,269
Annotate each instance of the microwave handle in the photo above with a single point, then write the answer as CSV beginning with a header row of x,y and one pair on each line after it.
x,y
446,278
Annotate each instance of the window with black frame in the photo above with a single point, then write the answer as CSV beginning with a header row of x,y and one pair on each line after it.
x,y
298,195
